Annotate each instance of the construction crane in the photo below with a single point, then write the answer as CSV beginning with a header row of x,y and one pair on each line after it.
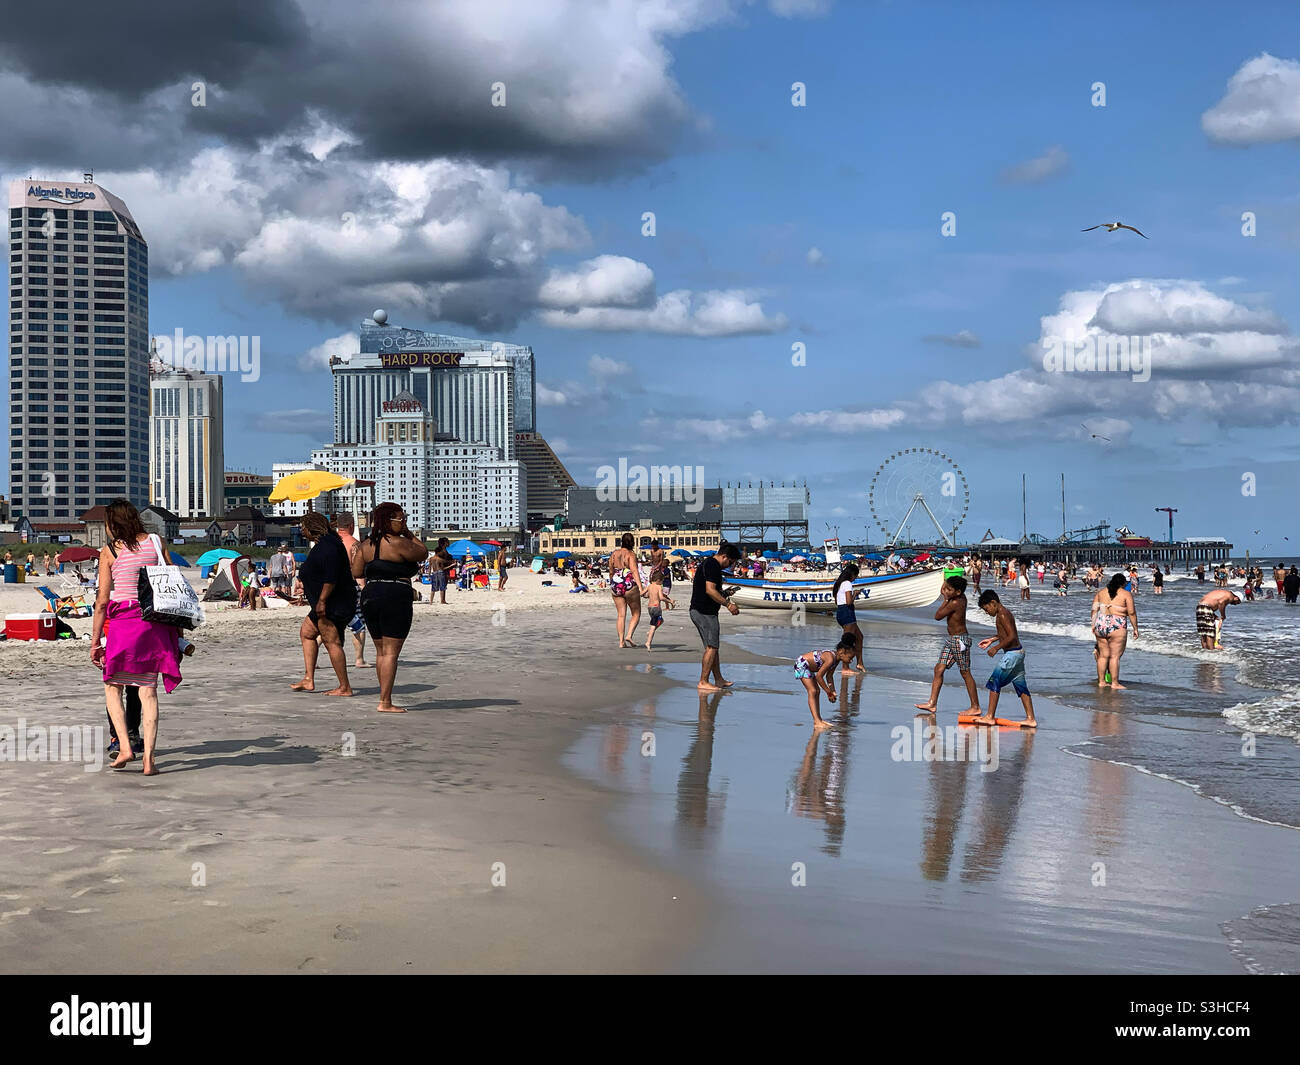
x,y
1171,511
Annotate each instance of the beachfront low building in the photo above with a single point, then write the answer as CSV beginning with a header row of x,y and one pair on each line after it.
x,y
588,541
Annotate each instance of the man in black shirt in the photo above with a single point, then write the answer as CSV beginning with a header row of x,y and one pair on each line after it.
x,y
706,598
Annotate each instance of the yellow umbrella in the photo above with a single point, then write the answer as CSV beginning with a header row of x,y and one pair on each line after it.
x,y
308,484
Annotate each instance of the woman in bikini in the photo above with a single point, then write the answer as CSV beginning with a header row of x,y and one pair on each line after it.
x,y
1112,607
625,586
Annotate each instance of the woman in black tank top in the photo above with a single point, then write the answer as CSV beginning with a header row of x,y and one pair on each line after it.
x,y
387,560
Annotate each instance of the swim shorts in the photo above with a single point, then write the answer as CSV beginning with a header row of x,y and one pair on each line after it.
x,y
656,616
708,628
1205,621
438,581
1009,670
955,652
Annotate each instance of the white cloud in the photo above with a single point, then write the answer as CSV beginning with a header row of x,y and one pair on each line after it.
x,y
845,422
550,397
815,257
679,313
605,369
1054,161
1141,307
1261,106
344,345
605,281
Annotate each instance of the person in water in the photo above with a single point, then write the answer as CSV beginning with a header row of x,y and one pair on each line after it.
x,y
1112,607
816,670
1211,603
956,645
387,560
842,595
1011,666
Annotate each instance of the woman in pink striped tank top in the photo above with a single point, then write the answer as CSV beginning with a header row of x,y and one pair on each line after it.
x,y
136,650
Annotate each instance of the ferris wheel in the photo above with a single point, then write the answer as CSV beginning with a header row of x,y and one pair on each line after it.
x,y
919,483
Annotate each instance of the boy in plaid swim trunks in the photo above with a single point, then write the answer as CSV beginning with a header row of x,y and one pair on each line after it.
x,y
956,645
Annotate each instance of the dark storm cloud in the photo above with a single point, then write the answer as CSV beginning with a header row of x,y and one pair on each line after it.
x,y
409,80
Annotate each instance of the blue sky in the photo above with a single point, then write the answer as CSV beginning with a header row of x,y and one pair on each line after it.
x,y
816,224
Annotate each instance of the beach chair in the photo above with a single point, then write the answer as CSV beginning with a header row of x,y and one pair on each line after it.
x,y
65,606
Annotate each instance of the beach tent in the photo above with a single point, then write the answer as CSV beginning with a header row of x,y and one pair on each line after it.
x,y
226,581
537,565
209,558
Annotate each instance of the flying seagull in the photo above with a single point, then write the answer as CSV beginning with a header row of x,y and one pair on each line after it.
x,y
1112,226
1096,436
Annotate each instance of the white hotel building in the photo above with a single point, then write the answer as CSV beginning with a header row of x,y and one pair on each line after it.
x,y
441,482
187,459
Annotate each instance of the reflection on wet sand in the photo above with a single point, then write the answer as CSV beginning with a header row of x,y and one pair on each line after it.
x,y
817,788
999,807
698,809
1108,786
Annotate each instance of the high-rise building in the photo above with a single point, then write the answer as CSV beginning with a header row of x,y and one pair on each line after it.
x,y
441,482
187,462
78,350
548,480
475,389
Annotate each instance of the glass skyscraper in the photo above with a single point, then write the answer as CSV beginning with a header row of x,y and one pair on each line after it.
x,y
78,350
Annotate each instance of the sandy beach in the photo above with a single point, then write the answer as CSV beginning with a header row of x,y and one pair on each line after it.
x,y
316,861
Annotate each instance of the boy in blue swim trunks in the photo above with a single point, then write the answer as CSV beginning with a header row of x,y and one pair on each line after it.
x,y
1011,666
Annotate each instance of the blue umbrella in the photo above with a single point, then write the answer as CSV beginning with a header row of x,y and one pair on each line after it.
x,y
466,549
770,554
211,558
680,551
178,560
875,557
563,554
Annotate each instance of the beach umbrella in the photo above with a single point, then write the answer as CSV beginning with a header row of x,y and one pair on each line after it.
x,y
680,551
76,554
797,558
178,560
466,549
493,543
211,558
875,557
770,554
563,554
306,484
922,556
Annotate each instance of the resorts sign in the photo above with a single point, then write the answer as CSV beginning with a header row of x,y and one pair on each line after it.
x,y
392,359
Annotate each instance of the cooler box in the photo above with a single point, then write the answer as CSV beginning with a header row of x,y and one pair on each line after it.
x,y
10,573
31,626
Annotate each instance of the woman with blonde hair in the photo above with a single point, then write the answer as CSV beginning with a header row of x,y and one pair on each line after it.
x,y
136,651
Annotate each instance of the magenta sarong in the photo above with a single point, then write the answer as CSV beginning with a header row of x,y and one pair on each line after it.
x,y
139,646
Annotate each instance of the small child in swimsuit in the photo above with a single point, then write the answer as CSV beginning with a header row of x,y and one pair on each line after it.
x,y
1011,666
815,670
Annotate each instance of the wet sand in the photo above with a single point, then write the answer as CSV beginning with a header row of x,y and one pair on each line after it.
x,y
1053,862
319,862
